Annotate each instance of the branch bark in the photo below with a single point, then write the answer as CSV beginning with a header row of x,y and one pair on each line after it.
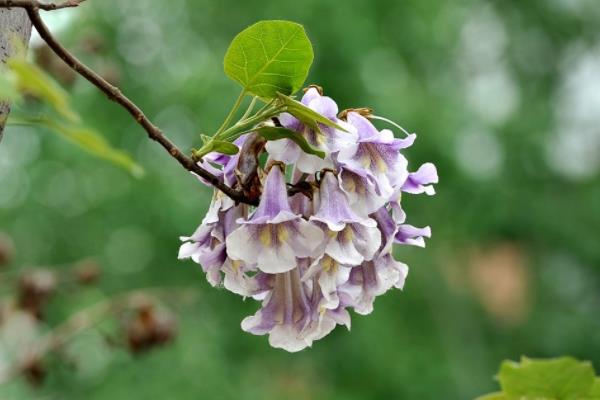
x,y
32,8
14,24
40,5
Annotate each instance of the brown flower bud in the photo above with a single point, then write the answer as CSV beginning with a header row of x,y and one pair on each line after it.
x,y
7,249
247,170
313,86
149,327
87,272
35,288
33,370
364,111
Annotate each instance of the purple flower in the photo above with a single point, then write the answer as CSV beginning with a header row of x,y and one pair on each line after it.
x,y
274,237
350,239
206,246
361,189
221,165
388,228
393,229
377,152
422,180
243,280
411,235
285,314
327,139
329,275
373,278
293,314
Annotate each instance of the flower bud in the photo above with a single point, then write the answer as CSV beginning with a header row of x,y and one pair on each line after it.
x,y
149,327
33,370
87,272
7,249
35,289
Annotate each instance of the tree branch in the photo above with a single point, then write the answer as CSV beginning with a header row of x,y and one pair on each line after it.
x,y
39,5
114,94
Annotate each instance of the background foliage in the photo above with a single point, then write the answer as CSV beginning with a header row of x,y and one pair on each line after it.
x,y
505,99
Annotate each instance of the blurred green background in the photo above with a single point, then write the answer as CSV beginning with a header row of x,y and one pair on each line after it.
x,y
505,99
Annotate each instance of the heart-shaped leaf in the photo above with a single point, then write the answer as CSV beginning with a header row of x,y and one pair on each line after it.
x,y
561,378
270,57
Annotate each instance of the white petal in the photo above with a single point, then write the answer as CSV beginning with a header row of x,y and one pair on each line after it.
x,y
242,246
309,241
286,337
346,153
343,252
309,163
283,150
368,242
252,324
321,328
187,250
328,284
276,260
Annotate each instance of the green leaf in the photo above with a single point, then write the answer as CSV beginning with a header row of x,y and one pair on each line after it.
x,y
306,115
219,146
33,80
594,393
561,378
224,147
276,133
87,139
270,57
8,90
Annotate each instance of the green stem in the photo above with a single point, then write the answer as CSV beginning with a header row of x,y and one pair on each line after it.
x,y
241,127
267,105
231,114
250,108
246,125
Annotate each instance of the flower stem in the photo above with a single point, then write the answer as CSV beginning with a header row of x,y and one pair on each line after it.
x,y
249,110
231,114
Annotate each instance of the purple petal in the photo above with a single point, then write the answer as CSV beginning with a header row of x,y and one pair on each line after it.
x,y
274,205
421,181
334,209
324,106
310,95
411,235
366,130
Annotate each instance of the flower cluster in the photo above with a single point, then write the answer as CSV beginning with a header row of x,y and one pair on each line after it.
x,y
311,256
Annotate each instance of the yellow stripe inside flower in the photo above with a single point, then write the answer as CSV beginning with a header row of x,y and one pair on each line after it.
x,y
372,158
347,234
235,265
271,235
329,264
265,236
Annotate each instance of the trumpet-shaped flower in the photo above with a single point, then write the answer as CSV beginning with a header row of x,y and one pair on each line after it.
x,y
350,239
274,237
377,152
